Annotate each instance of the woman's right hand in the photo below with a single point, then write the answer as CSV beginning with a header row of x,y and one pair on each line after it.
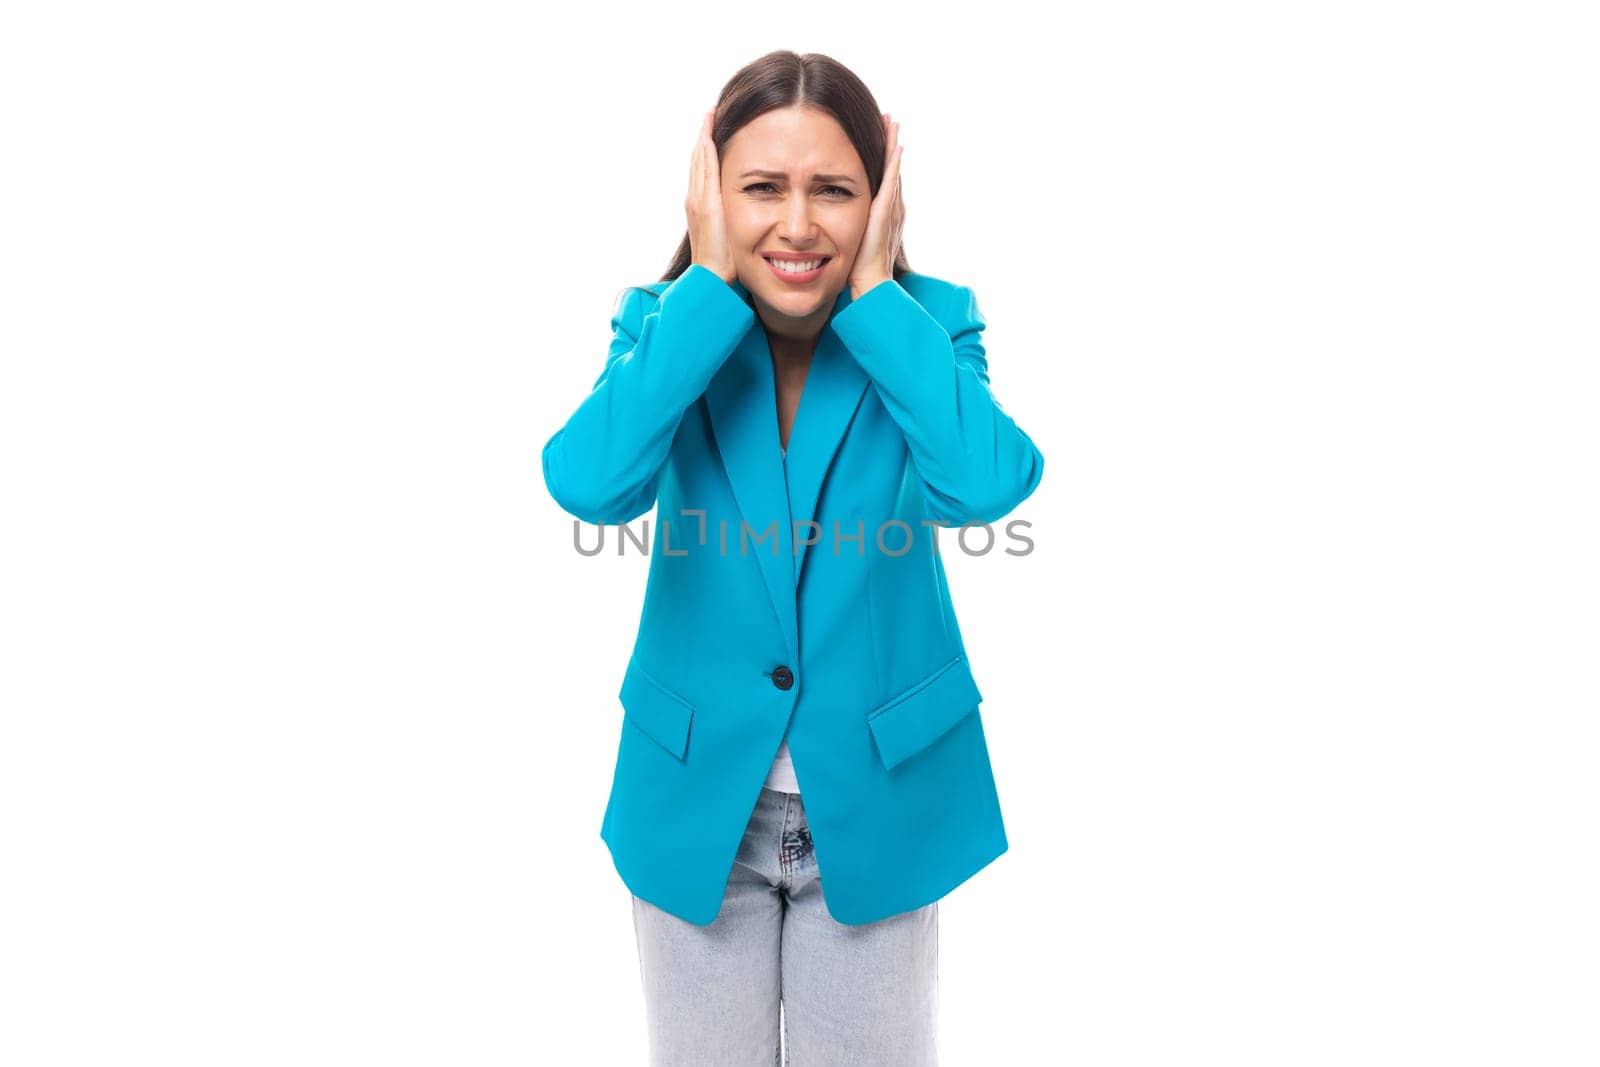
x,y
708,226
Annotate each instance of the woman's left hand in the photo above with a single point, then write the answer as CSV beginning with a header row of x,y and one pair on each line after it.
x,y
880,245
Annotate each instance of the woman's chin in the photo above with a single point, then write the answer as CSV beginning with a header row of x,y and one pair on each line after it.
x,y
796,303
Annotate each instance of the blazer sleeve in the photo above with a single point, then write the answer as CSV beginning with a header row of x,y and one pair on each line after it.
x,y
603,465
975,463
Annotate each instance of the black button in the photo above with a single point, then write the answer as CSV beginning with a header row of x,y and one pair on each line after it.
x,y
783,678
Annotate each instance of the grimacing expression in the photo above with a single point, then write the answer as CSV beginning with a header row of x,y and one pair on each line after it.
x,y
809,195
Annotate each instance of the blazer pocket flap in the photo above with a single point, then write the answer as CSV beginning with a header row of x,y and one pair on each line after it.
x,y
914,719
657,710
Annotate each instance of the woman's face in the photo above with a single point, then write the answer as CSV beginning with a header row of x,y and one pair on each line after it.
x,y
811,197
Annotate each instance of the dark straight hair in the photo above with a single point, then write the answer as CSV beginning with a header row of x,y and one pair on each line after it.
x,y
789,79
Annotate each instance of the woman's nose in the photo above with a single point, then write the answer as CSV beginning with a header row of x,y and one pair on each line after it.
x,y
798,218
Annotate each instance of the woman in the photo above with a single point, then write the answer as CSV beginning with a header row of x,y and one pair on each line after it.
x,y
804,411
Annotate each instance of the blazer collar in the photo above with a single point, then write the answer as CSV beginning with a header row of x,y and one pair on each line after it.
x,y
742,401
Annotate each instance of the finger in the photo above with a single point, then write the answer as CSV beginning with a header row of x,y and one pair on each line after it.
x,y
708,162
891,170
713,163
891,173
899,211
705,148
696,165
888,150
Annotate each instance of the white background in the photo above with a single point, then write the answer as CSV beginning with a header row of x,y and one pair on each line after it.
x,y
310,706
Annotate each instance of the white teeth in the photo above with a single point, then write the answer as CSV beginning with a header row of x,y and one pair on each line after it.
x,y
795,268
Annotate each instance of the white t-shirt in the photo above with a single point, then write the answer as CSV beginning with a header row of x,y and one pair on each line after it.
x,y
781,776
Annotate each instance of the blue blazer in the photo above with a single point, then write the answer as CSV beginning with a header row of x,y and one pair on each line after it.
x,y
848,645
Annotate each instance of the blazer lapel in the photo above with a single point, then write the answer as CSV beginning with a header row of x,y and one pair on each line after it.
x,y
834,387
743,404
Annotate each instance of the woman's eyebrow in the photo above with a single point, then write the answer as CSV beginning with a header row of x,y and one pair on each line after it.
x,y
842,179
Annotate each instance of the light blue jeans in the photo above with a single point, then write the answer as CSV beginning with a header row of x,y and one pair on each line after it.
x,y
775,973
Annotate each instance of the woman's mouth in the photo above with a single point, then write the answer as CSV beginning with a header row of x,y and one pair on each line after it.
x,y
798,272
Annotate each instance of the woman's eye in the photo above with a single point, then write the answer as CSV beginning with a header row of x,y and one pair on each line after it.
x,y
843,194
